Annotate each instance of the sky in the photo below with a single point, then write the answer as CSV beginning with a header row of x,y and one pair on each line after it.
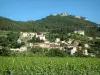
x,y
23,10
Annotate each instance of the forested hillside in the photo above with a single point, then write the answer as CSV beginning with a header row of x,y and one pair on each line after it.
x,y
54,24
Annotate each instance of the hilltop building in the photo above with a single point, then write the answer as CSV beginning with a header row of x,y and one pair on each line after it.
x,y
78,17
53,14
63,14
80,32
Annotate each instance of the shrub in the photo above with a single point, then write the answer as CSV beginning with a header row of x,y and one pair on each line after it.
x,y
79,53
37,50
56,52
5,51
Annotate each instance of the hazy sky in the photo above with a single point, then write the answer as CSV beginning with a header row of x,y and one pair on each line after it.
x,y
36,9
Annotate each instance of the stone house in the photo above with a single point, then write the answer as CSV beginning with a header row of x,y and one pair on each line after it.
x,y
72,49
23,48
85,52
41,36
57,40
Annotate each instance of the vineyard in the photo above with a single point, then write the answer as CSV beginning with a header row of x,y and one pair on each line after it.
x,y
49,66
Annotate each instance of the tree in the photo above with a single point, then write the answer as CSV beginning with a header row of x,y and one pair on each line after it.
x,y
35,40
12,37
18,45
95,48
3,41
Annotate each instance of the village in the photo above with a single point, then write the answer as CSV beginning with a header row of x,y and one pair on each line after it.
x,y
72,45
